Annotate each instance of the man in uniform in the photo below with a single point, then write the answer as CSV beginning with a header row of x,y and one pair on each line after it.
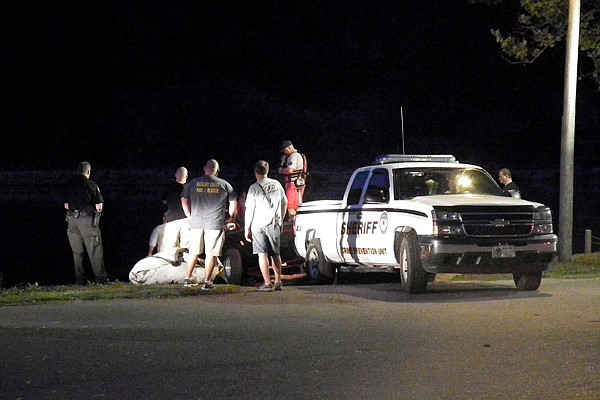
x,y
508,186
205,200
84,204
292,169
177,227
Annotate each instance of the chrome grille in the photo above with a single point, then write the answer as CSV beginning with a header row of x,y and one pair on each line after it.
x,y
490,231
498,223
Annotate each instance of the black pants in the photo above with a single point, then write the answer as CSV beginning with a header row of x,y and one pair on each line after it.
x,y
83,236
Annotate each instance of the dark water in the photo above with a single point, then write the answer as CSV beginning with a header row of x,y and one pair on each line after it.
x,y
36,249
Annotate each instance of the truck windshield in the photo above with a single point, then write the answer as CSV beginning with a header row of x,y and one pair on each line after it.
x,y
409,183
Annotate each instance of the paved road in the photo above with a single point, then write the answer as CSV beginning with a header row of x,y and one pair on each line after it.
x,y
459,341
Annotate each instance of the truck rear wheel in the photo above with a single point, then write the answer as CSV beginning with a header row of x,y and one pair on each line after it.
x,y
528,281
232,262
413,277
318,269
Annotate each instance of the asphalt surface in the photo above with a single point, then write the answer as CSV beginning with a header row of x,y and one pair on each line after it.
x,y
474,340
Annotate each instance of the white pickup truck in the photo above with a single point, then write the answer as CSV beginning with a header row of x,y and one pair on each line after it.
x,y
420,215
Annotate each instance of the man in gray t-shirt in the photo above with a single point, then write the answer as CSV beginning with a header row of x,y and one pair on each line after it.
x,y
266,205
205,200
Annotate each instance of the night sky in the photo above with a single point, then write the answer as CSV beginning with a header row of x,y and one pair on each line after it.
x,y
126,84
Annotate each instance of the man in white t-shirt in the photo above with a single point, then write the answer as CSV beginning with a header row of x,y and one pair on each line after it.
x,y
156,242
266,205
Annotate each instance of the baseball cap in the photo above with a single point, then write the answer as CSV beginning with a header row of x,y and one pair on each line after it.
x,y
284,144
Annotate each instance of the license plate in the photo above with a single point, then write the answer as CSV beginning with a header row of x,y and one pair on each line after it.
x,y
505,251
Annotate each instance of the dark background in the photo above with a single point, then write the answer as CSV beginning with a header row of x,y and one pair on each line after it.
x,y
139,89
134,85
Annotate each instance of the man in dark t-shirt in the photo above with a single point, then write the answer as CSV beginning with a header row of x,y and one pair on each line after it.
x,y
177,226
508,186
206,200
172,195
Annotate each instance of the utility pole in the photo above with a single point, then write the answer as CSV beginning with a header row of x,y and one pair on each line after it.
x,y
565,234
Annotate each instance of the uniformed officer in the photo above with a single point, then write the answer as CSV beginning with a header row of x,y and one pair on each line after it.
x,y
84,204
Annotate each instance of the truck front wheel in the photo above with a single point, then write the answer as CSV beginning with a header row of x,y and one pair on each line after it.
x,y
413,277
319,270
232,261
528,281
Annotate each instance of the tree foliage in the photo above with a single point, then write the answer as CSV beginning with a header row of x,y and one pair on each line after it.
x,y
543,24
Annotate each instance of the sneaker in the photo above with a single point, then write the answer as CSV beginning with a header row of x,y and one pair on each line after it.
x,y
207,286
265,288
277,286
189,282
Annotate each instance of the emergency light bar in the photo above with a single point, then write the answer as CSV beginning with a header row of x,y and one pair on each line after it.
x,y
394,158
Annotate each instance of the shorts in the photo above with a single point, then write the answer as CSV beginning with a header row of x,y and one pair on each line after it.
x,y
294,196
266,240
176,234
207,241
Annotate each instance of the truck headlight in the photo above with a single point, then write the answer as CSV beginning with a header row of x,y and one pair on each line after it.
x,y
542,221
446,216
447,223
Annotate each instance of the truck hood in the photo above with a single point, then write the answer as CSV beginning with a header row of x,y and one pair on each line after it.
x,y
472,199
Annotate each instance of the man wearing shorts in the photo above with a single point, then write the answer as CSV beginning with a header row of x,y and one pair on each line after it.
x,y
205,201
266,205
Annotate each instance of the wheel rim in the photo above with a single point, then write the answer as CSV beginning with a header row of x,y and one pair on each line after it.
x,y
312,264
404,264
227,266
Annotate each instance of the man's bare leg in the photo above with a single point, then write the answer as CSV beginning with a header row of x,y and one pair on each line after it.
x,y
191,265
277,268
263,263
209,266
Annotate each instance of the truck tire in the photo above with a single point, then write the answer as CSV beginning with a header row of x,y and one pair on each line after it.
x,y
232,261
528,281
413,277
318,269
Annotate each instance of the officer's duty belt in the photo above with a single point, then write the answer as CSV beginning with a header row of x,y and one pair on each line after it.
x,y
77,214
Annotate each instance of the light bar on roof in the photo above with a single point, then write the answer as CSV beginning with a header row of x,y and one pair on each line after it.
x,y
394,158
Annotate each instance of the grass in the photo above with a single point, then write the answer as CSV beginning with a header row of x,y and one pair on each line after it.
x,y
581,266
34,294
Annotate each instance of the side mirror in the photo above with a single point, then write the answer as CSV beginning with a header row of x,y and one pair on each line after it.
x,y
376,196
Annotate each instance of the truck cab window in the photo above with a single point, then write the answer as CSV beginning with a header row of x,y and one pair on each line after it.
x,y
378,190
356,188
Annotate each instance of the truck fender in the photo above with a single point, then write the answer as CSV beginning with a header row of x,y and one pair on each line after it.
x,y
310,235
400,233
413,277
318,269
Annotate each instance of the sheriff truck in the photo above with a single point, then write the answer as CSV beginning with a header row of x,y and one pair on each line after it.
x,y
421,215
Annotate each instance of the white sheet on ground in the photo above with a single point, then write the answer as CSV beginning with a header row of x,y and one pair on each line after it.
x,y
159,268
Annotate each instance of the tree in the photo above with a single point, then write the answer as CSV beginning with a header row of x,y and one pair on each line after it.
x,y
543,24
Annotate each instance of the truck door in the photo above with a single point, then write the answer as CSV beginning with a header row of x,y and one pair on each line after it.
x,y
373,240
349,216
364,222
